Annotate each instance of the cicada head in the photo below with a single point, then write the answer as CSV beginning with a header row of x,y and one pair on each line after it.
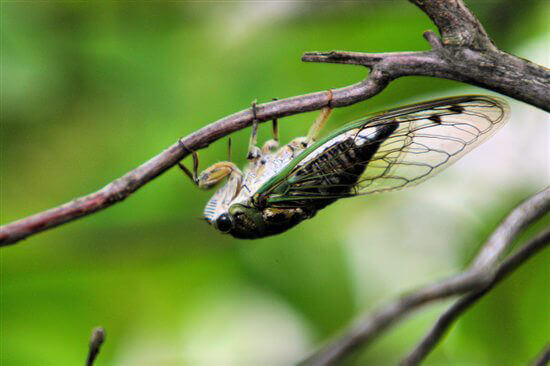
x,y
238,220
241,220
236,210
246,222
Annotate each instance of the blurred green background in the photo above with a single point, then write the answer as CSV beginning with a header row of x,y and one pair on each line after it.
x,y
91,90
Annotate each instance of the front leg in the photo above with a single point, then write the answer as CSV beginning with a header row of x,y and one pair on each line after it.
x,y
192,175
213,174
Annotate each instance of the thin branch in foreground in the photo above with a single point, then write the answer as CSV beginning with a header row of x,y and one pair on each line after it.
x,y
429,342
96,340
476,277
544,357
515,222
465,53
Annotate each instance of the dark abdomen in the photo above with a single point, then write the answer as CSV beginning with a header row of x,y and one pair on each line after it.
x,y
335,171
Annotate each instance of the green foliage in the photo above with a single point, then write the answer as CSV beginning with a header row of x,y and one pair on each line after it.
x,y
89,91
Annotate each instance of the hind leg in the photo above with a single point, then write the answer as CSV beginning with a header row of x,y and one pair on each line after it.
x,y
318,125
320,122
301,143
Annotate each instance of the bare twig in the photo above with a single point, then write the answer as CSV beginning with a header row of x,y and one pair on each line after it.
x,y
96,340
458,308
543,358
476,277
465,53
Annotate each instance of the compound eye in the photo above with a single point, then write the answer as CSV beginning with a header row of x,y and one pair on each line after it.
x,y
224,223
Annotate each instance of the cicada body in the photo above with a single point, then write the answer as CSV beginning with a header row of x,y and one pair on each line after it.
x,y
382,152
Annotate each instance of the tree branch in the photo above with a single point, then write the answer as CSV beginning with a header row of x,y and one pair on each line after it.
x,y
457,25
479,275
465,54
458,308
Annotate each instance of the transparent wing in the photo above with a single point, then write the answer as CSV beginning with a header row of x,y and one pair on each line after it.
x,y
429,140
392,150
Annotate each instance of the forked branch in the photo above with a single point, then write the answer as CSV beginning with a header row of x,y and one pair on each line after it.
x,y
429,342
477,277
465,53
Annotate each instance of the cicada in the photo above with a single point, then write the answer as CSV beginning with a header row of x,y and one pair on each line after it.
x,y
381,152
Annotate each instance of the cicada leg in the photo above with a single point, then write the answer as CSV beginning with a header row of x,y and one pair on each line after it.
x,y
213,174
301,143
273,144
320,122
229,153
192,175
254,152
318,125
